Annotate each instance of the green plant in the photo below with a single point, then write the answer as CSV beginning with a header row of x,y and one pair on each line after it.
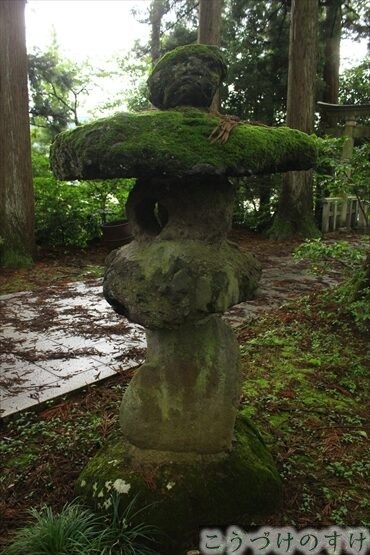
x,y
319,253
73,531
125,534
338,176
256,201
70,213
77,530
353,295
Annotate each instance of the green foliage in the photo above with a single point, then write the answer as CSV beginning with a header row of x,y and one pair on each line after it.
x,y
14,259
179,35
71,213
329,152
256,200
255,36
56,86
354,84
30,433
125,533
78,531
306,385
74,531
336,176
354,294
135,67
320,253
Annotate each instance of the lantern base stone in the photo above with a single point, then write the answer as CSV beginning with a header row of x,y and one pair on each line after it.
x,y
181,493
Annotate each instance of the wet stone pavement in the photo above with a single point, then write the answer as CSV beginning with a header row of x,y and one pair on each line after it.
x,y
61,339
65,337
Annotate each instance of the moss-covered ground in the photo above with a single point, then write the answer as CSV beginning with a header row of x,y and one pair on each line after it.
x,y
306,380
306,384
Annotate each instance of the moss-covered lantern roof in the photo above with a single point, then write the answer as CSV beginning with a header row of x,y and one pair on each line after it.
x,y
175,143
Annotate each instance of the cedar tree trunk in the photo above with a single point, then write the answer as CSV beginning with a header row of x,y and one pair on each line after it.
x,y
333,29
209,32
16,190
295,211
157,10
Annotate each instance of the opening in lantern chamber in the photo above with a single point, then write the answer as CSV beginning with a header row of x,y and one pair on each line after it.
x,y
151,216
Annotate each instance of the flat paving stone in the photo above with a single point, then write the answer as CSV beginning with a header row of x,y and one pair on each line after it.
x,y
19,375
34,395
59,340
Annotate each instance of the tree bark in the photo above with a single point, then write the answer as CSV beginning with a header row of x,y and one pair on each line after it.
x,y
333,29
16,189
295,211
209,32
157,10
209,22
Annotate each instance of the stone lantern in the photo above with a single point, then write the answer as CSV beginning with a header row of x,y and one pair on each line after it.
x,y
181,443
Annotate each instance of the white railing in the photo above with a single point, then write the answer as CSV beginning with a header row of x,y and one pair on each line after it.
x,y
344,213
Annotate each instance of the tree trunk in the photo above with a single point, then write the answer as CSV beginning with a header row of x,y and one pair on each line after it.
x,y
209,32
333,29
209,22
295,211
157,10
16,190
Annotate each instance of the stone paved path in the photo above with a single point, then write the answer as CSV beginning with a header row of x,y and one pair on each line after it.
x,y
282,279
66,337
59,340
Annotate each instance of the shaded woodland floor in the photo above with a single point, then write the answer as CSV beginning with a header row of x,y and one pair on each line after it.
x,y
306,383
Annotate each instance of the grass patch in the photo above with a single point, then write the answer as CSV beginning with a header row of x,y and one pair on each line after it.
x,y
76,530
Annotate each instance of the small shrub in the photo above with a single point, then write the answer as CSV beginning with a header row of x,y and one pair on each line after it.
x,y
70,213
125,534
79,531
74,531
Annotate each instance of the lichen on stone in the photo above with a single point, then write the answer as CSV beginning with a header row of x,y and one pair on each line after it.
x,y
162,284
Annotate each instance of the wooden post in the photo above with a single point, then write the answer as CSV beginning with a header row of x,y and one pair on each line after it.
x,y
325,216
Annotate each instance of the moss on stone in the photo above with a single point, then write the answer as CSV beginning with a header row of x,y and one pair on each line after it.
x,y
185,396
283,229
187,76
205,51
184,494
162,284
175,144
